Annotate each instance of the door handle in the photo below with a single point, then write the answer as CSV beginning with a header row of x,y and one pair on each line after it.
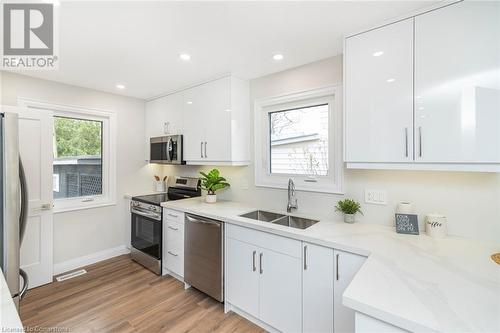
x,y
172,215
337,266
420,141
172,228
261,270
305,257
254,268
46,206
171,253
406,141
201,149
205,149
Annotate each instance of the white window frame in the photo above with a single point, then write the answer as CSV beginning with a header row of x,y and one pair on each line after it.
x,y
108,119
333,182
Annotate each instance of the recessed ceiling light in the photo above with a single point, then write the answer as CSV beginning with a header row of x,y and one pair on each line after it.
x,y
189,102
185,57
378,53
278,57
120,86
391,80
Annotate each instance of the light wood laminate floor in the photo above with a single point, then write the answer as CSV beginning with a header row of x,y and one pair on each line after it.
x,y
119,295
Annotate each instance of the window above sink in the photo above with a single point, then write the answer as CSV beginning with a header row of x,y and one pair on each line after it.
x,y
299,136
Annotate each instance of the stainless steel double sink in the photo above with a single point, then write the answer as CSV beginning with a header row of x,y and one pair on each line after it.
x,y
281,219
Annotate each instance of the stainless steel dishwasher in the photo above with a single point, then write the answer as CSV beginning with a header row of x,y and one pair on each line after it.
x,y
203,255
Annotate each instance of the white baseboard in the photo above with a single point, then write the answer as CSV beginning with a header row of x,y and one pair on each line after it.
x,y
89,259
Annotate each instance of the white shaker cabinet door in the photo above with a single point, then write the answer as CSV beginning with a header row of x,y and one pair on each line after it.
x,y
317,288
280,291
457,83
346,266
242,276
379,94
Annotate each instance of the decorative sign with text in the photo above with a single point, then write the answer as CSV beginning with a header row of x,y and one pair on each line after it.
x,y
407,224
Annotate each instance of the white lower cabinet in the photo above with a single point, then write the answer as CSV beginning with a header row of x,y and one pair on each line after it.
x,y
317,288
346,266
367,324
264,283
173,243
286,284
280,296
242,277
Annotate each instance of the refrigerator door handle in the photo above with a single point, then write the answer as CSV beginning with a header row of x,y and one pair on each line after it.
x,y
23,216
24,289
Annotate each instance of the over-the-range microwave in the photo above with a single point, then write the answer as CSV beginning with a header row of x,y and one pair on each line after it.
x,y
166,150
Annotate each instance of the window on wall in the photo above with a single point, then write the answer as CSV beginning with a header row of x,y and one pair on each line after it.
x,y
83,155
77,163
299,141
298,136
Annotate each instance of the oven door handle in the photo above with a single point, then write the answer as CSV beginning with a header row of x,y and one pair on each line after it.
x,y
146,214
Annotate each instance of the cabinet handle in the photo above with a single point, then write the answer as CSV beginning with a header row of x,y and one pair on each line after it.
x,y
261,255
172,228
171,253
201,149
305,257
337,266
205,149
420,141
406,141
254,268
173,215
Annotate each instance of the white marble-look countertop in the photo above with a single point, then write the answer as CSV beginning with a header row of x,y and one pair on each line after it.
x,y
9,318
414,282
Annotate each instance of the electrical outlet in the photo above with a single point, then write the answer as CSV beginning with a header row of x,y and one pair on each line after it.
x,y
377,197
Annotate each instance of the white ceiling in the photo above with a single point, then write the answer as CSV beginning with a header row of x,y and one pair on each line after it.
x,y
138,43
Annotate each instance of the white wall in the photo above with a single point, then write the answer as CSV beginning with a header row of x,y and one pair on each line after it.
x,y
88,231
471,201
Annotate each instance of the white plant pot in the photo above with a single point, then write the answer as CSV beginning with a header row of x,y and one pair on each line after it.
x,y
211,198
160,186
349,218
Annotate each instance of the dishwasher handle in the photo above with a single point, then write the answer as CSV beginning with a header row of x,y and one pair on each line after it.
x,y
198,219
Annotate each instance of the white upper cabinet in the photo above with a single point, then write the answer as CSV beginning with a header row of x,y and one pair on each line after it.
x,y
379,94
457,83
194,127
424,93
213,117
163,117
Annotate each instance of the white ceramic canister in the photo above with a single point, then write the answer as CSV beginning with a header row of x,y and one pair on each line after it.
x,y
404,208
436,225
160,186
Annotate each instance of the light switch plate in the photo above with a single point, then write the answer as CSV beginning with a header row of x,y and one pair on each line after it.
x,y
377,197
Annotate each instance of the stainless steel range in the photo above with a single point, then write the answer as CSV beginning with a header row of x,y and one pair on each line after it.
x,y
147,218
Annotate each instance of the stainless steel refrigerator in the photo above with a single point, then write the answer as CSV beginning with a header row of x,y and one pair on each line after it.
x,y
13,207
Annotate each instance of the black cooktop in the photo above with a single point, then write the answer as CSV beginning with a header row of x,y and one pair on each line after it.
x,y
154,199
174,193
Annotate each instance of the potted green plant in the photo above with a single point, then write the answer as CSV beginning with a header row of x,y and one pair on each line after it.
x,y
349,208
212,182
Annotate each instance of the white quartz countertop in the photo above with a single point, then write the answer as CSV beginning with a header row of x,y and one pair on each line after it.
x,y
9,318
414,282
